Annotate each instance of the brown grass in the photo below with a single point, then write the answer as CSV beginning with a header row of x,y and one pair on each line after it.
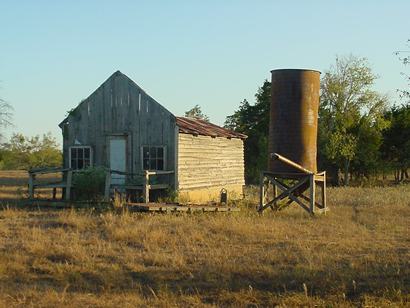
x,y
357,255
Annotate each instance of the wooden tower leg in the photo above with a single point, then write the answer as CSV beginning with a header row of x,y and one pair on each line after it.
x,y
275,193
312,193
261,192
324,203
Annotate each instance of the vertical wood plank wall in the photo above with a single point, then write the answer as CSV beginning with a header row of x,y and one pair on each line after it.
x,y
120,107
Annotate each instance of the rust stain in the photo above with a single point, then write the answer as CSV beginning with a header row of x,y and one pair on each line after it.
x,y
196,126
294,117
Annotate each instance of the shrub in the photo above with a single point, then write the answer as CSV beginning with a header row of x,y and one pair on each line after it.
x,y
89,184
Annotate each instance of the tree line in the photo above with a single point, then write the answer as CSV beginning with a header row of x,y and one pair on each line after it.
x,y
23,153
360,135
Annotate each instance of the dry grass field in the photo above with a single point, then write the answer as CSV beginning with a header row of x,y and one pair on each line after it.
x,y
356,255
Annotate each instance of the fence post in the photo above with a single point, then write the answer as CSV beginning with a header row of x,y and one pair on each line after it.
x,y
69,184
107,185
31,185
146,187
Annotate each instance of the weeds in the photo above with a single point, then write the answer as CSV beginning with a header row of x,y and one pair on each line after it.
x,y
357,255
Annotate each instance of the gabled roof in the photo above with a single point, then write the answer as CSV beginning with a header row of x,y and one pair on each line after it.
x,y
196,126
116,74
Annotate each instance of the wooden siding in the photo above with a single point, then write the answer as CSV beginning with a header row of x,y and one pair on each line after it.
x,y
119,107
205,162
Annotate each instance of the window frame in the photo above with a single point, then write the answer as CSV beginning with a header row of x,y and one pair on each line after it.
x,y
80,147
164,158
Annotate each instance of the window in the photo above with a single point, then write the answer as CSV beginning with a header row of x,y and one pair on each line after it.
x,y
80,157
153,158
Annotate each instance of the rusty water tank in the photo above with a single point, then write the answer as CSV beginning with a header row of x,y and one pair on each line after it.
x,y
293,118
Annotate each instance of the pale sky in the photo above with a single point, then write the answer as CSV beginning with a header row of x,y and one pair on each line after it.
x,y
212,53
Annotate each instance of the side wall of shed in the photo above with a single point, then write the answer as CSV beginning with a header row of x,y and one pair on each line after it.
x,y
119,108
206,165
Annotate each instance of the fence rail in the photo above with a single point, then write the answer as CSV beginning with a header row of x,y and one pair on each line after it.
x,y
66,184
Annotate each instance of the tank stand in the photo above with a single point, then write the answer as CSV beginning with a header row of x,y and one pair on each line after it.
x,y
299,187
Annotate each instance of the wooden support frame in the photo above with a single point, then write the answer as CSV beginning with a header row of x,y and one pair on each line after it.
x,y
304,181
295,193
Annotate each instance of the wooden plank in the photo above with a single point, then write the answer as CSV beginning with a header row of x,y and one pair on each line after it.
x,y
275,193
47,170
324,200
51,185
304,197
312,192
107,186
209,162
166,208
146,188
31,185
261,192
290,195
69,184
285,192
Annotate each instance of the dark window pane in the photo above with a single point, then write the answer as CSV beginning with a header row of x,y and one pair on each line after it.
x,y
73,153
86,163
146,164
87,153
80,164
153,164
160,164
153,153
80,153
145,152
74,164
160,152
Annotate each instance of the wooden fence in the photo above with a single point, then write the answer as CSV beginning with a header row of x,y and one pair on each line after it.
x,y
66,183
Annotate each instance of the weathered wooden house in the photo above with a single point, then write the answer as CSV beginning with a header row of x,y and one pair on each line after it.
x,y
121,127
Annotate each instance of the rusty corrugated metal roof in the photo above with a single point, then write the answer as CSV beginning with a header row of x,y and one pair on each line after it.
x,y
196,126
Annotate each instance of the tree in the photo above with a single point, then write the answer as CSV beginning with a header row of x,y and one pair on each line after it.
x,y
396,141
350,113
253,121
196,112
30,152
404,57
5,114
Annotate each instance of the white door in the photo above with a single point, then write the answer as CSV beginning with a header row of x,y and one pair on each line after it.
x,y
117,160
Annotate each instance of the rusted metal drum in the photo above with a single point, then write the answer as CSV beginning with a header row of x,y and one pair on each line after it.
x,y
293,118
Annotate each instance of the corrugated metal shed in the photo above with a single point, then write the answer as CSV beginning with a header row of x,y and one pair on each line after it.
x,y
196,126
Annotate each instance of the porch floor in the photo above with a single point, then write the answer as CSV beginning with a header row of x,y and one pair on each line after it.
x,y
166,208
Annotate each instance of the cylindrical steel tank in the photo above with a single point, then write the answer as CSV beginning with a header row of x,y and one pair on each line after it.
x,y
293,118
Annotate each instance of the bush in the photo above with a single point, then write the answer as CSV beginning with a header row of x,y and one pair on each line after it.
x,y
89,184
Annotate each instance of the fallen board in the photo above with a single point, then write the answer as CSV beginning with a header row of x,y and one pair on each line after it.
x,y
168,208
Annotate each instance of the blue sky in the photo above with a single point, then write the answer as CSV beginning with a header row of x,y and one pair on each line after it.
x,y
212,53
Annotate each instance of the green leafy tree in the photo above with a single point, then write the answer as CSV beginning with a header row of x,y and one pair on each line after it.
x,y
253,120
196,112
396,141
23,152
350,112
